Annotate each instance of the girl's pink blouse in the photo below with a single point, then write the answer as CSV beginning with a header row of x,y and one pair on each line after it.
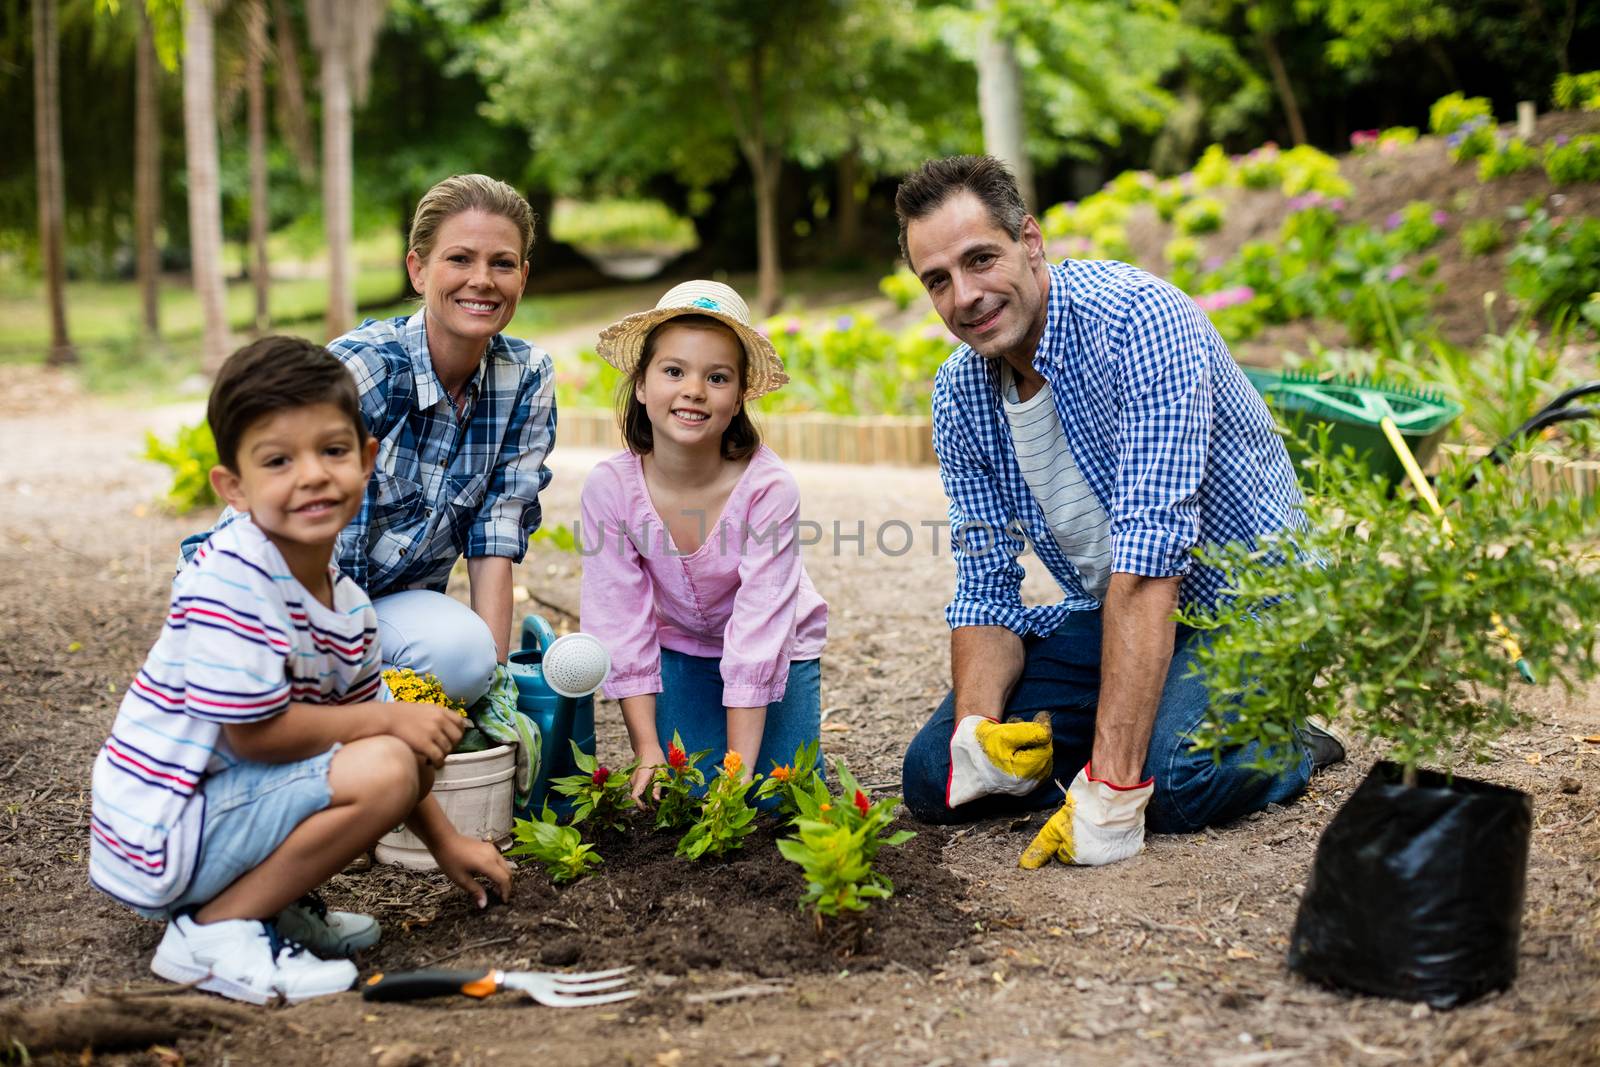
x,y
743,596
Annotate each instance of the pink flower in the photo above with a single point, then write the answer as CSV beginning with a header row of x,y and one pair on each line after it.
x,y
791,327
1440,217
1396,272
1393,221
1226,298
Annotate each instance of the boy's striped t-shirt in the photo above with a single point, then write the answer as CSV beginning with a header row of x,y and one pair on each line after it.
x,y
242,640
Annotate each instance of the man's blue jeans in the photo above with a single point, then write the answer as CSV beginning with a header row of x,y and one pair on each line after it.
x,y
1061,675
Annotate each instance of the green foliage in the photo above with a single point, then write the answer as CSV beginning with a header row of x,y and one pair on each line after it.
x,y
1555,264
1480,237
676,782
788,782
191,454
1576,161
1578,92
836,841
1450,113
1307,170
621,225
903,287
725,815
1509,157
1366,31
560,848
1394,626
599,792
1396,137
1472,141
560,538
1417,226
1200,216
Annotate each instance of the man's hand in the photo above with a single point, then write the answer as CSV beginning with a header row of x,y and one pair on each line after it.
x,y
463,860
1100,823
431,731
988,756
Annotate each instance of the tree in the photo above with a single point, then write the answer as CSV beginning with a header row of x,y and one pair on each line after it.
x,y
615,94
344,33
147,176
51,184
256,46
1000,101
205,193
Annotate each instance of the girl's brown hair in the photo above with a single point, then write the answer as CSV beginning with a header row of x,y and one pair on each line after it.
x,y
739,440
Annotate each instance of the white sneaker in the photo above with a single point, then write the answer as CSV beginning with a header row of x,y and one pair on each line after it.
x,y
245,959
327,933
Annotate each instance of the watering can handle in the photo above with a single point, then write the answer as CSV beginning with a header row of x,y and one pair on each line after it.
x,y
537,635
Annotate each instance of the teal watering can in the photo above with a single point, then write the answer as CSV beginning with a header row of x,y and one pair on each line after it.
x,y
542,694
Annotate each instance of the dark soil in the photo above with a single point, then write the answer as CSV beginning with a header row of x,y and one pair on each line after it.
x,y
646,907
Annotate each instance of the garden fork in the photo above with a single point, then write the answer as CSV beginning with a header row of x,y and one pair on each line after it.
x,y
551,988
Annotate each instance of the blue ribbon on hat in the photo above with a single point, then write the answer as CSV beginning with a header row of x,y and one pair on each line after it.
x,y
705,302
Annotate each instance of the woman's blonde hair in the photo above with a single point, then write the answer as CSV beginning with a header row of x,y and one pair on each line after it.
x,y
468,192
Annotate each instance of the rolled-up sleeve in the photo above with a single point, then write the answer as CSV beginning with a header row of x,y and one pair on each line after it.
x,y
617,596
1163,433
983,539
760,633
510,511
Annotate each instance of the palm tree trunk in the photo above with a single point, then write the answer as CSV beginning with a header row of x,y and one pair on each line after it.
x,y
205,190
52,195
292,120
147,177
256,87
1000,103
337,177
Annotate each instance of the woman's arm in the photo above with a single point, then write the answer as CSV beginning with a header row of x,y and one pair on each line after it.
x,y
745,729
639,715
489,584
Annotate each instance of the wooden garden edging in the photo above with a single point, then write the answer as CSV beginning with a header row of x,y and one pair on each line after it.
x,y
907,440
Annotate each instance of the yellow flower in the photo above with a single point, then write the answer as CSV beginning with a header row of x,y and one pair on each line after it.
x,y
408,686
732,764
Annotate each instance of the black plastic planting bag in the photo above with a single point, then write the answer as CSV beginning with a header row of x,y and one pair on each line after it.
x,y
1416,892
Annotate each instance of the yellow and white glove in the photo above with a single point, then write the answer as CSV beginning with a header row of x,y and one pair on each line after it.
x,y
1100,823
988,756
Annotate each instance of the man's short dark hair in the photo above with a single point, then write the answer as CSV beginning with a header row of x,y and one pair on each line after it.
x,y
271,375
937,180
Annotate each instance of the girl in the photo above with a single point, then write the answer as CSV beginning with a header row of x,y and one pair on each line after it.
x,y
692,576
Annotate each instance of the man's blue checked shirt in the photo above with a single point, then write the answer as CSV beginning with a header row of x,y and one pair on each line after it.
x,y
1171,437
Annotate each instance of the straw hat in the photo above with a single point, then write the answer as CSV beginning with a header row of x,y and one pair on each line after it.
x,y
622,343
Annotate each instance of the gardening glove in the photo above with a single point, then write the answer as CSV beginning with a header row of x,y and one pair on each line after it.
x,y
1100,823
989,756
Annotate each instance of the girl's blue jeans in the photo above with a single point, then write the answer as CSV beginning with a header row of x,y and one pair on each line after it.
x,y
690,702
1061,674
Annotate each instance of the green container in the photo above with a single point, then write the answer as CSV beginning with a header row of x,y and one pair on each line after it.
x,y
1355,411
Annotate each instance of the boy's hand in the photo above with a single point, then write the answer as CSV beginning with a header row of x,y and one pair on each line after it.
x,y
430,730
464,860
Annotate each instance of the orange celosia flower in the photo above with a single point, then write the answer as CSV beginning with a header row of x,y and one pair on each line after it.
x,y
826,807
780,774
732,764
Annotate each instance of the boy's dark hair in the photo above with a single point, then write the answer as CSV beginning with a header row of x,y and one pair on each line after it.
x,y
937,180
739,440
273,375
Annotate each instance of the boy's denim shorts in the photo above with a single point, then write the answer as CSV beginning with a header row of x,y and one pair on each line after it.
x,y
250,809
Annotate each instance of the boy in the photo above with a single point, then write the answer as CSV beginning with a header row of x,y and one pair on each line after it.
x,y
250,760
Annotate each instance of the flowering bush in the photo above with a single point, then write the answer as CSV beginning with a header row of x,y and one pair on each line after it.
x,y
836,840
1577,160
1214,170
1262,168
191,454
1308,170
787,782
408,686
1555,265
725,814
1450,113
1416,226
1471,141
1200,215
676,783
1508,158
1396,137
560,848
597,791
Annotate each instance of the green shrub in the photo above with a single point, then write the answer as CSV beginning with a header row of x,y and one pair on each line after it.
x,y
1131,186
1396,137
621,225
1482,236
1472,141
1262,169
1200,215
1508,158
1398,627
1578,160
1168,197
903,287
1308,170
1214,169
191,454
1450,113
1555,264
1575,92
1416,226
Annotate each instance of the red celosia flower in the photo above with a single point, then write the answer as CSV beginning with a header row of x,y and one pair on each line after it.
x,y
676,758
861,802
600,775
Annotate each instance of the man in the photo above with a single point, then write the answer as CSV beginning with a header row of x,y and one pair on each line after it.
x,y
1095,412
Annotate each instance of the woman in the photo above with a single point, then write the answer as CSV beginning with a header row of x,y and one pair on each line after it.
x,y
465,418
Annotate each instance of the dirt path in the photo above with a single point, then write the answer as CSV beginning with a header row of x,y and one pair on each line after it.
x,y
1176,955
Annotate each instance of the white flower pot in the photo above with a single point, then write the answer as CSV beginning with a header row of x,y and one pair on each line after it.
x,y
475,791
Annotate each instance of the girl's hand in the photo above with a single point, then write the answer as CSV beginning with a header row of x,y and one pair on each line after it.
x,y
464,860
645,773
